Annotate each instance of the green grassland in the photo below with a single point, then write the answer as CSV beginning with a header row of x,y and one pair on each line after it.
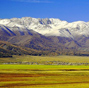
x,y
42,67
44,76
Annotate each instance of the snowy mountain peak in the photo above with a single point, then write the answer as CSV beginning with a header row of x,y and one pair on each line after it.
x,y
48,26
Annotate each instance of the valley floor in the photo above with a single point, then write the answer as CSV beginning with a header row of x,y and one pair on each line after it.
x,y
44,76
46,60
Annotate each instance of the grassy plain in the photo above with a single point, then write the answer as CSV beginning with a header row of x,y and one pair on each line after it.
x,y
42,59
44,76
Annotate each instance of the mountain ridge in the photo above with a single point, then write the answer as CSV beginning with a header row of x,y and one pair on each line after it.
x,y
48,26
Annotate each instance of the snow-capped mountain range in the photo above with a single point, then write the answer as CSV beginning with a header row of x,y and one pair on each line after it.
x,y
48,35
47,26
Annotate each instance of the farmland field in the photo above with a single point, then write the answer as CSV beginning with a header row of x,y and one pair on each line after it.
x,y
44,76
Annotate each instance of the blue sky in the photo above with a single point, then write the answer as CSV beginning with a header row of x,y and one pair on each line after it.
x,y
69,10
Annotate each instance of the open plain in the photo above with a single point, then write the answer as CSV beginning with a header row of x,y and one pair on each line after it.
x,y
45,76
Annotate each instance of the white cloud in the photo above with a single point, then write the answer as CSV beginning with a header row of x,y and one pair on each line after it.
x,y
34,1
